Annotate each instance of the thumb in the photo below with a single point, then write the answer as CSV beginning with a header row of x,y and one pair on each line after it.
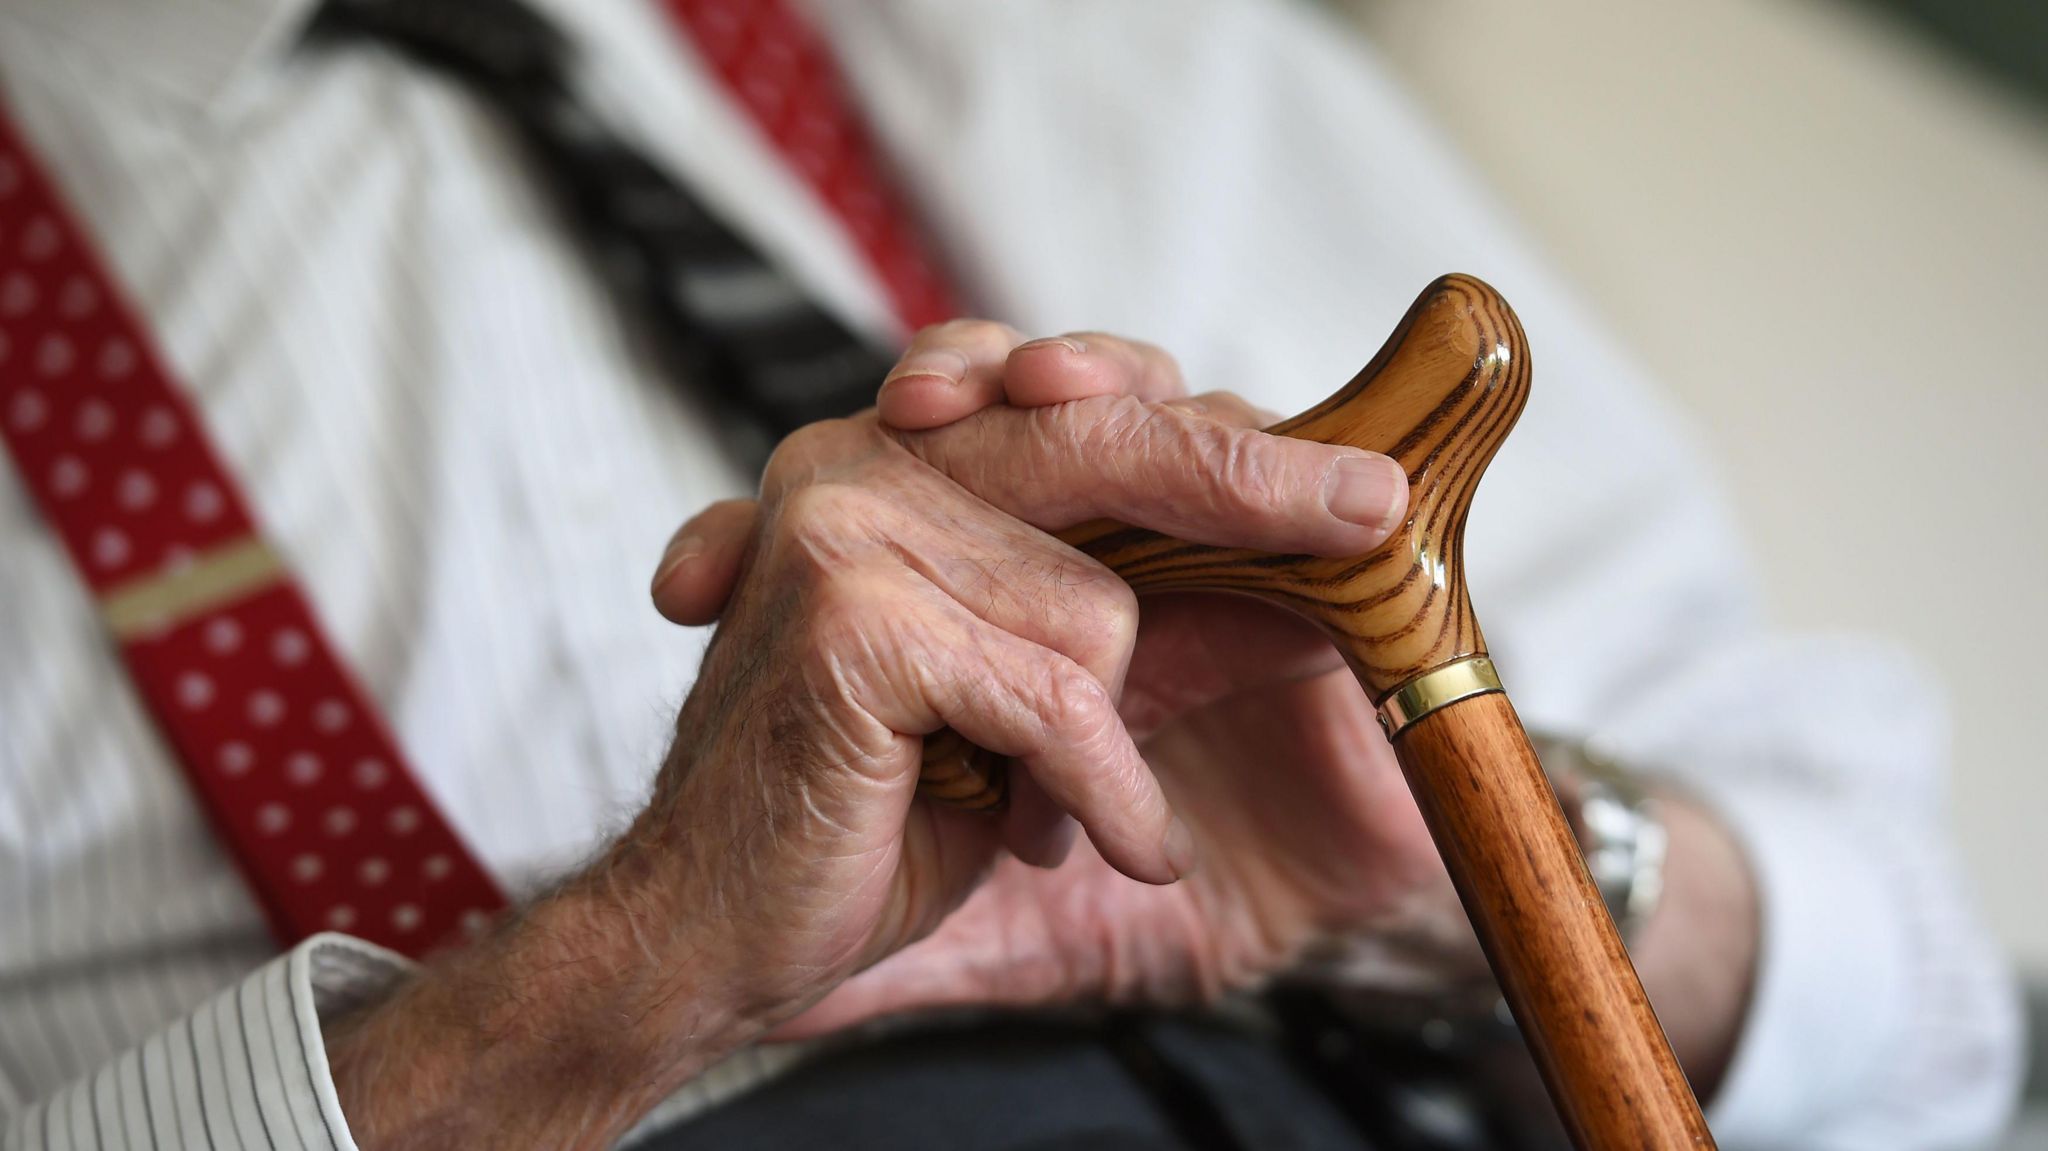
x,y
701,563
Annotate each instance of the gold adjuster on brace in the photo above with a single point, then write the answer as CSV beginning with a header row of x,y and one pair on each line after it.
x,y
154,603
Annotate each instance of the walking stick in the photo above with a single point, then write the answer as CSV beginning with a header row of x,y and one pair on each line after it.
x,y
1440,397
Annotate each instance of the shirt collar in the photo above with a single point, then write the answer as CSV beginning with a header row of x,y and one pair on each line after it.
x,y
192,50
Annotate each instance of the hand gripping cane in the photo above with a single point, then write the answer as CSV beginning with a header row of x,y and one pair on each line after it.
x,y
1440,397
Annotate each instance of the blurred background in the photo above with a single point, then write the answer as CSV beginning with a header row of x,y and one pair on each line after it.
x,y
1824,223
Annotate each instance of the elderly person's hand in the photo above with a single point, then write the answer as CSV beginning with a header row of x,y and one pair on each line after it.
x,y
886,585
1309,840
1263,742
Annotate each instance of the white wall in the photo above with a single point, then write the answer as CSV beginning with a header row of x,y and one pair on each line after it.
x,y
1832,243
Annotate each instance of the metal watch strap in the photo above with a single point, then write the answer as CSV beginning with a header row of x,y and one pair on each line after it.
x,y
1618,825
1624,843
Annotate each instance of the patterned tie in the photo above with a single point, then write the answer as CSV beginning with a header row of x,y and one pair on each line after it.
x,y
726,318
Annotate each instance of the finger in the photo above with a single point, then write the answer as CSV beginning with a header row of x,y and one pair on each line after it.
x,y
1081,365
945,668
1035,830
1029,585
950,371
1018,578
1173,471
1064,729
702,561
976,611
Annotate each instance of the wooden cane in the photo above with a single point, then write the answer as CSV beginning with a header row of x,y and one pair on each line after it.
x,y
1440,397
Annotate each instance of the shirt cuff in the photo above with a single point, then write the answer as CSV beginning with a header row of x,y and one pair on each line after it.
x,y
247,1069
1833,962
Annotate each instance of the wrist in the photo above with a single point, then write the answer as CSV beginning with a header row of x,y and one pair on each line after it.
x,y
1697,955
560,1029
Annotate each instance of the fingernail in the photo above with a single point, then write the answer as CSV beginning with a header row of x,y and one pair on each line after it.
x,y
1179,846
680,549
1370,491
1071,344
946,363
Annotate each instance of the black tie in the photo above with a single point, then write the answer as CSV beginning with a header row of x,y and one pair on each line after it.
x,y
721,315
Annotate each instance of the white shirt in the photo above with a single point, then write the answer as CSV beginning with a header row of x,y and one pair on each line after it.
x,y
437,414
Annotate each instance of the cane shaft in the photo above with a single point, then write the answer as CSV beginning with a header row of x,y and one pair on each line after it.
x,y
1546,932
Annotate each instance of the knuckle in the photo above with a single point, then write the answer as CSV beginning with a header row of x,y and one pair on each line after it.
x,y
1203,451
814,448
825,502
818,526
842,645
1241,472
838,600
1247,470
1104,612
1106,429
1076,707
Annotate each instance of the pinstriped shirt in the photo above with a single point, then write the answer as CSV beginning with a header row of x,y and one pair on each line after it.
x,y
472,467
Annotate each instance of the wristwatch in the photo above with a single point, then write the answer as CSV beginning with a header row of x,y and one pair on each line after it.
x,y
1617,824
1623,840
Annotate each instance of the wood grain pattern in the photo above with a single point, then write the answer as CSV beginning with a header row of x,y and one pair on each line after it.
x,y
1440,397
1547,934
959,774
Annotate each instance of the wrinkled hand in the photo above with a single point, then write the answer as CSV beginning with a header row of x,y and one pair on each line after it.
x,y
890,583
1258,736
885,585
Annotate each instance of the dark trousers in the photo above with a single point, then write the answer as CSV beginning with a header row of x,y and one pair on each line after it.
x,y
1140,1084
